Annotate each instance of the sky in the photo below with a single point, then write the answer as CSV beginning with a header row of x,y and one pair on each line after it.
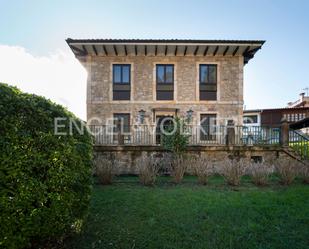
x,y
35,57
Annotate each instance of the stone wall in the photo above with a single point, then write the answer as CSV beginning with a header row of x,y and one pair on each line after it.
x,y
229,104
127,155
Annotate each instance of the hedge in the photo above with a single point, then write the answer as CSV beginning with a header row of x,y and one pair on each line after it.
x,y
45,179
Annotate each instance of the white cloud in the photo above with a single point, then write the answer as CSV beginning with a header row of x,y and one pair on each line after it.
x,y
58,76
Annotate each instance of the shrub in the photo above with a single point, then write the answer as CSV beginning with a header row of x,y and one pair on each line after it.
x,y
45,179
177,141
260,172
105,170
304,172
178,168
233,170
148,168
203,168
287,170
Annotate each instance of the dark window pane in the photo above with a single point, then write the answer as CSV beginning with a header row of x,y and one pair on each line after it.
x,y
203,73
124,119
121,80
212,74
250,119
117,74
207,95
169,74
160,74
208,127
208,119
165,95
208,82
121,95
165,80
125,74
121,74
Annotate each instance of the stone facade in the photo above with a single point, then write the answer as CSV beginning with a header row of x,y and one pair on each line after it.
x,y
229,103
126,156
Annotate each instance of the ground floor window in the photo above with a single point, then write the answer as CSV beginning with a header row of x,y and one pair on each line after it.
x,y
122,125
208,127
163,123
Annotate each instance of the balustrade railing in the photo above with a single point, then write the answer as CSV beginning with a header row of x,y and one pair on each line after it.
x,y
257,135
197,135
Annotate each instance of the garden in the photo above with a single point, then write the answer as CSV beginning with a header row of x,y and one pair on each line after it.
x,y
52,196
127,214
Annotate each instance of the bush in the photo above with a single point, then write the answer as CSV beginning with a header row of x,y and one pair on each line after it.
x,y
105,170
287,170
304,172
203,168
233,170
176,140
45,179
148,168
179,166
260,173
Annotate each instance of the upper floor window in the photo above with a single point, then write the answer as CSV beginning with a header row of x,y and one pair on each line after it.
x,y
165,82
121,81
208,81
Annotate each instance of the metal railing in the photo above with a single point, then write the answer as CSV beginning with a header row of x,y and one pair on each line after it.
x,y
300,143
257,135
197,135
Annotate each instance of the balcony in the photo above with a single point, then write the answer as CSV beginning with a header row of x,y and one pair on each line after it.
x,y
197,135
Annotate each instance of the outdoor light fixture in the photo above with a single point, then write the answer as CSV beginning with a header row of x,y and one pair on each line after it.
x,y
189,114
141,114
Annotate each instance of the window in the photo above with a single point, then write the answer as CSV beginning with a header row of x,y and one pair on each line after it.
x,y
124,119
208,82
250,119
208,127
257,159
165,82
121,82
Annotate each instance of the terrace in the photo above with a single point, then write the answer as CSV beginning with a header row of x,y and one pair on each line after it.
x,y
197,135
203,136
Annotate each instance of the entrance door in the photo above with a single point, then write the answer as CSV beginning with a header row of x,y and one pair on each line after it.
x,y
162,123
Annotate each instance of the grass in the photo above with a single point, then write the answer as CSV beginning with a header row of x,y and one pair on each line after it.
x,y
128,215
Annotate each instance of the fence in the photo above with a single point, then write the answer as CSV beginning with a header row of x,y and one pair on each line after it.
x,y
197,135
300,143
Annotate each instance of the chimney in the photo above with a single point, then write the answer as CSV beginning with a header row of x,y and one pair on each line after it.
x,y
301,96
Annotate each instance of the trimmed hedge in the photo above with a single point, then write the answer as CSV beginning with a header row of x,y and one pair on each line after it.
x,y
45,180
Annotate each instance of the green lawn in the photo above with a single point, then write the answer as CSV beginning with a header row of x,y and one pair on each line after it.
x,y
128,215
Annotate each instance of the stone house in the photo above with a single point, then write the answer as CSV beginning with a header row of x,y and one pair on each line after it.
x,y
148,80
134,86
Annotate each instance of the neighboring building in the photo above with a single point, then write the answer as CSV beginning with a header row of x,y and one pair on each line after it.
x,y
294,112
303,101
273,117
147,80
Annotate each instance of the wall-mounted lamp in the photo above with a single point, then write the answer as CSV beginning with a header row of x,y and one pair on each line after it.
x,y
141,115
189,114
